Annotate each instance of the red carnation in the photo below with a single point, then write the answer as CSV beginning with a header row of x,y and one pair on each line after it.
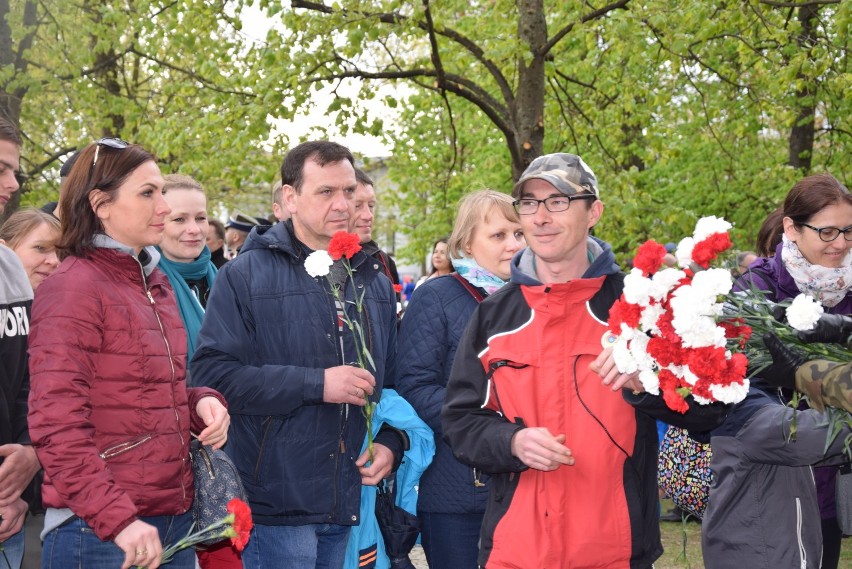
x,y
668,385
397,288
649,257
242,522
735,328
344,244
626,312
707,250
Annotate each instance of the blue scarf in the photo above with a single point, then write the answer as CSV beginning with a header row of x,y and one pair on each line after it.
x,y
191,311
477,276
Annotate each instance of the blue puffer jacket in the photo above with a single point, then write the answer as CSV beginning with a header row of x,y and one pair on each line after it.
x,y
269,333
434,322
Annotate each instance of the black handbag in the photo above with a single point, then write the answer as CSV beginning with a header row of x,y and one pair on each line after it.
x,y
217,482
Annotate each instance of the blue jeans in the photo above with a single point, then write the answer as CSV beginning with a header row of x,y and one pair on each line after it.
x,y
75,545
13,551
313,546
450,541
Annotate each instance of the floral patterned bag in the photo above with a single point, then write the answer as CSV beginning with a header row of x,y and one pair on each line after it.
x,y
216,483
683,471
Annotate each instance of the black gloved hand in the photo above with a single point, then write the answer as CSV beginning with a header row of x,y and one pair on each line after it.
x,y
831,328
785,362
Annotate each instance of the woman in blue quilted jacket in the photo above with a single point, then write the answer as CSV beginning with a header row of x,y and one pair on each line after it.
x,y
452,496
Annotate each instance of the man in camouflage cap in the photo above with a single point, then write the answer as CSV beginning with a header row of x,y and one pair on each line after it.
x,y
539,343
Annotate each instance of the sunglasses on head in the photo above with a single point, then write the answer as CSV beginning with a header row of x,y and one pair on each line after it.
x,y
116,143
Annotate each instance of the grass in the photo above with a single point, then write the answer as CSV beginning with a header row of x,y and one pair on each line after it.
x,y
682,546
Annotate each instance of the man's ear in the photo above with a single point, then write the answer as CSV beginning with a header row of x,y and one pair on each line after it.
x,y
595,213
288,198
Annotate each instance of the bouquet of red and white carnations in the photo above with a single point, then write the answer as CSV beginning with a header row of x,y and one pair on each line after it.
x,y
686,333
669,326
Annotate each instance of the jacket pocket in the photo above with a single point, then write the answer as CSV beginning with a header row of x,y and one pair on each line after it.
x,y
125,446
267,425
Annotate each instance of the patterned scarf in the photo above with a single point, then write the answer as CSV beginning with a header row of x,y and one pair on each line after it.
x,y
826,284
477,276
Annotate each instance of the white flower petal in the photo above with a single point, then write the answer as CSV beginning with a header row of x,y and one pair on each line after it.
x,y
709,225
804,312
318,263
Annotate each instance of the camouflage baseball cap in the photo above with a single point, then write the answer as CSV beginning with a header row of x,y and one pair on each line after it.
x,y
566,172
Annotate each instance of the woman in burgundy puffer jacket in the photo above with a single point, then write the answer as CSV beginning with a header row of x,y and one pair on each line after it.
x,y
110,414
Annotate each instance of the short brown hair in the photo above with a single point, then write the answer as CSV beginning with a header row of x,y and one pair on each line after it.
x,y
9,132
320,151
80,223
474,209
23,222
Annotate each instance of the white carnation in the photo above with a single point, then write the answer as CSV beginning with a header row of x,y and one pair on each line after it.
x,y
664,281
622,357
318,263
650,381
649,318
684,251
712,283
733,393
637,289
804,312
639,350
709,225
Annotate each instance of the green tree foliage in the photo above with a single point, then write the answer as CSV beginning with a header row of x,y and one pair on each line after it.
x,y
176,76
684,109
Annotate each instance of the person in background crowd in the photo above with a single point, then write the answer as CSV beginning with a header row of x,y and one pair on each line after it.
x,y
185,257
813,257
365,206
744,259
53,207
236,231
279,210
187,263
768,236
216,242
110,414
452,496
18,462
440,262
31,234
271,342
534,398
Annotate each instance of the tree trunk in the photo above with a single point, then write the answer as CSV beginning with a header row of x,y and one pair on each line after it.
x,y
527,110
801,143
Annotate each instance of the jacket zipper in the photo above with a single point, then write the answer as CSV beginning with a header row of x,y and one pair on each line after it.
x,y
122,448
171,366
803,555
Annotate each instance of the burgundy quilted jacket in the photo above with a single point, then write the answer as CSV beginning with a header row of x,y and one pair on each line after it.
x,y
109,407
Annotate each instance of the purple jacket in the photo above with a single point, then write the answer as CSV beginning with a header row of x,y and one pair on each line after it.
x,y
770,274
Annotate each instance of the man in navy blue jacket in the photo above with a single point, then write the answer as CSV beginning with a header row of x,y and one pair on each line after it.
x,y
272,344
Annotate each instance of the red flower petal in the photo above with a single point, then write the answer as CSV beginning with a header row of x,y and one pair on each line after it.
x,y
649,257
242,522
344,244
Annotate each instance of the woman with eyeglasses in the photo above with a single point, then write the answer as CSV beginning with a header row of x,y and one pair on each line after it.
x,y
452,496
814,257
110,414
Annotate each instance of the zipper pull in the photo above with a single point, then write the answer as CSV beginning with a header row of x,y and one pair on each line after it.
x,y
151,298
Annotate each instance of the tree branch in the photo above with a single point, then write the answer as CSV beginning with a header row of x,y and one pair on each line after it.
x,y
449,33
798,4
593,15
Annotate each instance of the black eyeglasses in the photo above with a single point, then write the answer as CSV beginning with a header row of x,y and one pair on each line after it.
x,y
829,234
553,204
116,143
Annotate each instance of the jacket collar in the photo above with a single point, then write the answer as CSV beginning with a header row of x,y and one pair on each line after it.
x,y
147,258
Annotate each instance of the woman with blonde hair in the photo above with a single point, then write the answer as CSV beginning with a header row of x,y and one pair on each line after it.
x,y
452,496
32,234
110,415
